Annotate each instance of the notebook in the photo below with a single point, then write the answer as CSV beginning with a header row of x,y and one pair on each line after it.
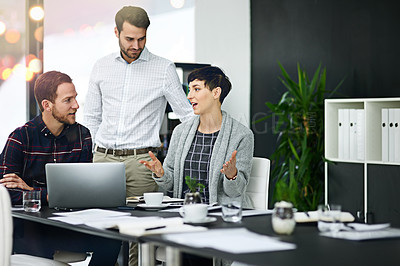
x,y
86,185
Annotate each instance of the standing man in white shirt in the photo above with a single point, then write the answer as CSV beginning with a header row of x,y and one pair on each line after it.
x,y
127,95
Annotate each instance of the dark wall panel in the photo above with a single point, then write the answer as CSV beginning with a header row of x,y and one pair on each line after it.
x,y
354,39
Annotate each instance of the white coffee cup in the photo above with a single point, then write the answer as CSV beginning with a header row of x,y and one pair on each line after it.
x,y
153,198
194,212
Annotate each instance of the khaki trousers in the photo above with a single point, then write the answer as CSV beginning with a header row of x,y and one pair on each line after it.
x,y
138,180
138,177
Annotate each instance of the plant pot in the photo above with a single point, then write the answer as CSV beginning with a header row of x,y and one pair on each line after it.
x,y
192,198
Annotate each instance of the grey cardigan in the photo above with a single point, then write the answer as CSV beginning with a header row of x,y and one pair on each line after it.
x,y
232,136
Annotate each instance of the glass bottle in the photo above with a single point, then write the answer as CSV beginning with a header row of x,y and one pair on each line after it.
x,y
283,221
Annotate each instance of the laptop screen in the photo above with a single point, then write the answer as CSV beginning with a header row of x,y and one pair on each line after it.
x,y
86,185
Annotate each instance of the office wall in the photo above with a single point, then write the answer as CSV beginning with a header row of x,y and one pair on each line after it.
x,y
354,39
222,38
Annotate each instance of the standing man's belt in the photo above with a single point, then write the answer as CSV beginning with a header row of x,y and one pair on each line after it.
x,y
124,152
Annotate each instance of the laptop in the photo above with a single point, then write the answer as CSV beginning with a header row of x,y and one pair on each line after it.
x,y
86,185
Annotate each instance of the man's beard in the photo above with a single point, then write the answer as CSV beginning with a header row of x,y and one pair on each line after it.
x,y
61,118
126,52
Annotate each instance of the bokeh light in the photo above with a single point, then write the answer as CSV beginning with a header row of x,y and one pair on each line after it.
x,y
36,13
177,3
6,73
8,61
12,36
98,25
35,66
85,29
2,28
69,32
39,34
19,70
29,75
29,58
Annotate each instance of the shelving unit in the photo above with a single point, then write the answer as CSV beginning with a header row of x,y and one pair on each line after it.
x,y
343,178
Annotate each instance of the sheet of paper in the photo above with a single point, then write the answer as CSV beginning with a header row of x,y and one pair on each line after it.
x,y
138,226
84,216
312,216
364,235
365,227
17,208
222,239
166,199
246,213
176,208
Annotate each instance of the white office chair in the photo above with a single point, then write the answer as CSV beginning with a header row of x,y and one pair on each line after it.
x,y
6,231
258,186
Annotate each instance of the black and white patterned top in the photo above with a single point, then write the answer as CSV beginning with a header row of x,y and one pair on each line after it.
x,y
197,162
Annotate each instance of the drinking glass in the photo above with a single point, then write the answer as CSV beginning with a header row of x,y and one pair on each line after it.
x,y
329,218
31,201
232,211
335,214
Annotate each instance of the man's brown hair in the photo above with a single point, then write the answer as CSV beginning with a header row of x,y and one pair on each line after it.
x,y
46,86
134,15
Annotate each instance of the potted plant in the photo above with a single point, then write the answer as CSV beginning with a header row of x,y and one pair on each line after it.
x,y
298,160
193,196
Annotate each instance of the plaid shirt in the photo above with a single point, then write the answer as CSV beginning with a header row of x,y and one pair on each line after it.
x,y
31,146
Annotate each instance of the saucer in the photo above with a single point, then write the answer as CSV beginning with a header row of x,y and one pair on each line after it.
x,y
153,207
204,221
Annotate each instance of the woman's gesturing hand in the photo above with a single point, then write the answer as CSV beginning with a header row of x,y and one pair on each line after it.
x,y
154,165
229,168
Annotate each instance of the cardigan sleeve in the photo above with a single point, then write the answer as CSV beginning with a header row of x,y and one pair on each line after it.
x,y
245,146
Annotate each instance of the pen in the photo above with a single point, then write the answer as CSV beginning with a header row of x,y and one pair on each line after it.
x,y
154,228
63,209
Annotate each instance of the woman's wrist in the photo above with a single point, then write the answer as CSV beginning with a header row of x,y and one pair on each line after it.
x,y
231,177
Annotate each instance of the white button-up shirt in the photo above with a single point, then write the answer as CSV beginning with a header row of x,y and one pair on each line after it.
x,y
125,103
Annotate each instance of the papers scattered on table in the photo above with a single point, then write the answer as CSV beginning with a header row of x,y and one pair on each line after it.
x,y
312,216
246,212
166,199
84,216
364,227
176,209
127,224
364,235
141,226
222,239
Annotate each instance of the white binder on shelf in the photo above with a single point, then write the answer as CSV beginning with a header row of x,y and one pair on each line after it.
x,y
391,141
397,135
343,134
353,134
385,134
340,133
346,134
361,134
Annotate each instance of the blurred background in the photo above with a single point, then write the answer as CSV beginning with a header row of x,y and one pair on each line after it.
x,y
69,36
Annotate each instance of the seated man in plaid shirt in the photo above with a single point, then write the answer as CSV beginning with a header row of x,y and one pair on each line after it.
x,y
51,137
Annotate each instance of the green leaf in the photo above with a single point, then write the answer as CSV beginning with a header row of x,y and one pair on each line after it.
x,y
298,160
193,184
